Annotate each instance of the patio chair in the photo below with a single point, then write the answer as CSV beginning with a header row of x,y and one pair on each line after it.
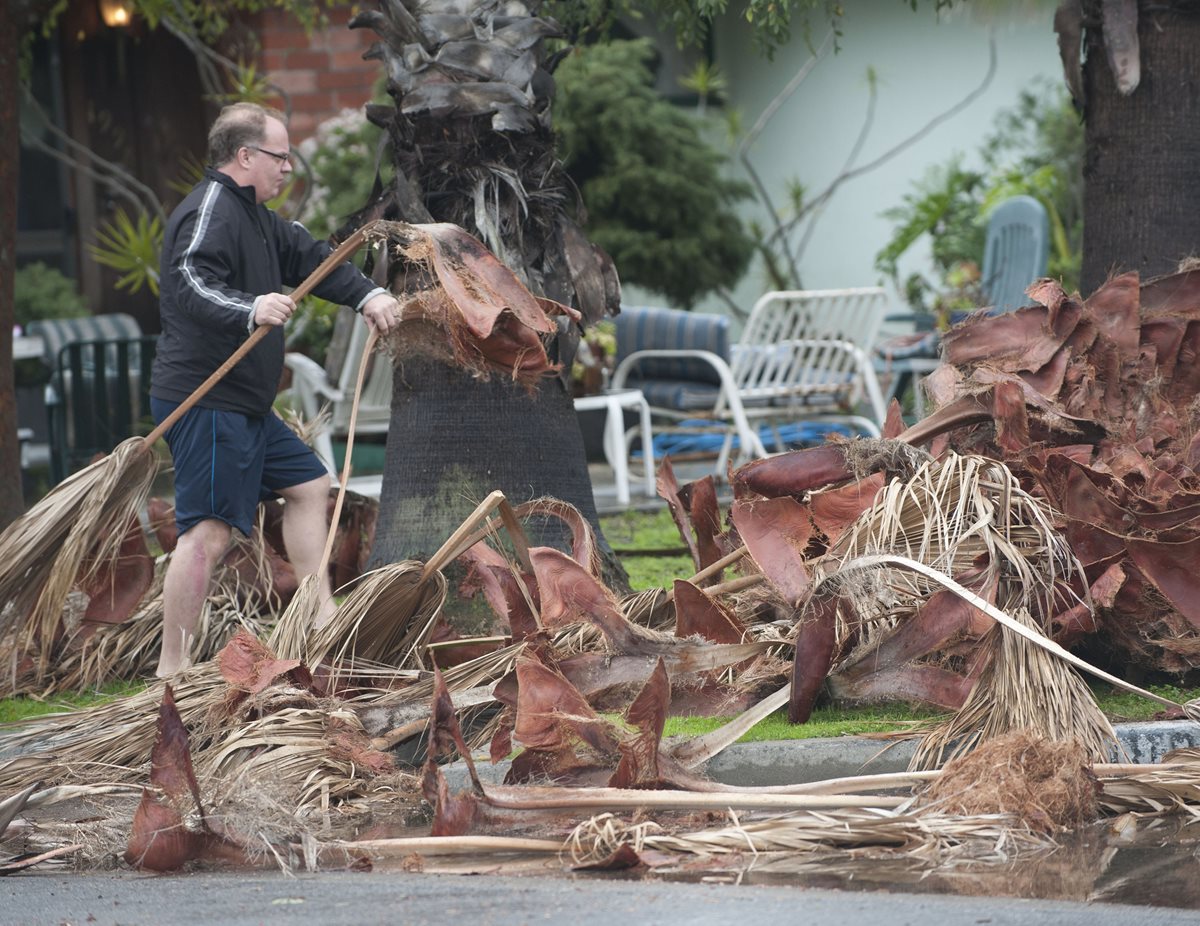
x,y
60,415
98,396
316,388
803,355
1015,254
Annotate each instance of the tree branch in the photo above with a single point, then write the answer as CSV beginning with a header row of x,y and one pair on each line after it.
x,y
907,142
207,58
779,234
90,163
855,151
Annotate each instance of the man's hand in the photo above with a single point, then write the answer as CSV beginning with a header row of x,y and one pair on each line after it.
x,y
273,309
382,313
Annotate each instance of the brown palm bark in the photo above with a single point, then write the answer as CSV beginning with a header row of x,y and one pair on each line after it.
x,y
1141,181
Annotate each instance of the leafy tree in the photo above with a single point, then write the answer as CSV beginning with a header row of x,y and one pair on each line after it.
x,y
652,186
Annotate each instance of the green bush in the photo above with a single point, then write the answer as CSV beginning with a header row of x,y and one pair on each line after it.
x,y
342,157
41,292
653,188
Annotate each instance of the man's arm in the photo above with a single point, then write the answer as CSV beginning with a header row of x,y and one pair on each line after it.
x,y
300,254
202,260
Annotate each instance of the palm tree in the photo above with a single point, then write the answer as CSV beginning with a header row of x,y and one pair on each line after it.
x,y
472,145
1137,89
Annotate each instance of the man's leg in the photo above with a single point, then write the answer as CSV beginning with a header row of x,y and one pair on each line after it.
x,y
185,589
304,533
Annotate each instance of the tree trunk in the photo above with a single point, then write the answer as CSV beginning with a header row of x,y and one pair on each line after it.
x,y
12,26
1141,177
472,145
453,439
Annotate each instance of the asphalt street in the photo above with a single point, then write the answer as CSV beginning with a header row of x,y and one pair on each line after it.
x,y
397,897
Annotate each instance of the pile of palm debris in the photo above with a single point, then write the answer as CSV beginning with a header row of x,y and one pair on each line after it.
x,y
870,569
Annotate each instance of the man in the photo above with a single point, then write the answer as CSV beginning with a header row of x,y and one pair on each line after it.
x,y
225,260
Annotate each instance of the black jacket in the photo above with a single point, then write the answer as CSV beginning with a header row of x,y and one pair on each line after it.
x,y
222,250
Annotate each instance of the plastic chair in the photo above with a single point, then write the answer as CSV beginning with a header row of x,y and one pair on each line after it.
x,y
317,388
1015,253
98,397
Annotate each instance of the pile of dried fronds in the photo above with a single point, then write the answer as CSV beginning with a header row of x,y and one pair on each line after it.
x,y
1093,404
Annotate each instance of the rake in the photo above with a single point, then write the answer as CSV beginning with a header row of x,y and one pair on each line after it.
x,y
65,538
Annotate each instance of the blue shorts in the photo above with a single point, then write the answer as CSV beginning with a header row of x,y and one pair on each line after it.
x,y
227,462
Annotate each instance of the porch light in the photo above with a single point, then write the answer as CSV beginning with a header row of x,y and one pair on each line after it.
x,y
117,14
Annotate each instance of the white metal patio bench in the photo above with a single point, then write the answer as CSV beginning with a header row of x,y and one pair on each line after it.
x,y
803,355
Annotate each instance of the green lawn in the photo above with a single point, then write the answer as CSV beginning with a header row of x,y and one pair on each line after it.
x,y
628,533
22,708
631,531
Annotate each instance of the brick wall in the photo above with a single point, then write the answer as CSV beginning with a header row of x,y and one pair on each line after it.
x,y
322,72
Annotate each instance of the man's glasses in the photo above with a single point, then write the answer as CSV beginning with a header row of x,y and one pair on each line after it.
x,y
281,158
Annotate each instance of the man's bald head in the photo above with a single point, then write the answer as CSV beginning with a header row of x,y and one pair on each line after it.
x,y
240,125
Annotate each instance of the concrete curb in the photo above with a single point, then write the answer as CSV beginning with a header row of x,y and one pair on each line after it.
x,y
784,762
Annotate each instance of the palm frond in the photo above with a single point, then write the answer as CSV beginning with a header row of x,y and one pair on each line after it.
x,y
65,539
969,515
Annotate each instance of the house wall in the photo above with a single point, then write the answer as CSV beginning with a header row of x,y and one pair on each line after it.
x,y
924,65
323,72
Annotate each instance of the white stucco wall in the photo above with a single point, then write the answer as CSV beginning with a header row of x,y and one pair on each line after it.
x,y
924,63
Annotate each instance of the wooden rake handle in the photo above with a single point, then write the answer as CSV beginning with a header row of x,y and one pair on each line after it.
x,y
341,496
339,255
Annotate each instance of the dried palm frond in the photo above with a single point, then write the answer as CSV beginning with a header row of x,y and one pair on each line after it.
x,y
1023,687
387,618
130,649
110,742
65,539
308,429
954,514
117,651
289,751
469,683
651,608
482,670
583,538
809,831
969,515
580,637
390,614
1172,786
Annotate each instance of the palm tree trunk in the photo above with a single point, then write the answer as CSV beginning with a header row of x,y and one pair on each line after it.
x,y
472,145
1142,188
453,439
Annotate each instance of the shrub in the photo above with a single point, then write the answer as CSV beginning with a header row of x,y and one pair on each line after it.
x,y
41,292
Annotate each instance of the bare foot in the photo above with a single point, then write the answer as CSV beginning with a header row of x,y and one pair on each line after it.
x,y
172,663
325,614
